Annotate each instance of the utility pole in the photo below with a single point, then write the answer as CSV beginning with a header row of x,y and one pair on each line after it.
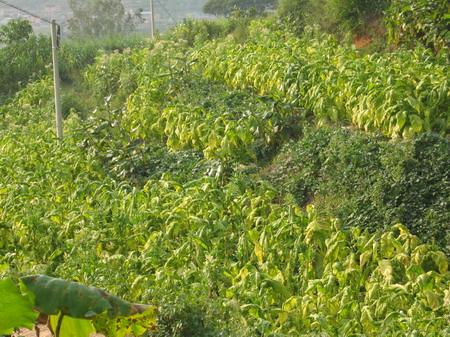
x,y
152,19
57,81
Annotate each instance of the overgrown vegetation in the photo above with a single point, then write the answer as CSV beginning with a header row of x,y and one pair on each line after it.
x,y
404,22
425,22
24,57
368,181
336,16
245,179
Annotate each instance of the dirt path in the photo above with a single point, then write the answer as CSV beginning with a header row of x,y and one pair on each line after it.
x,y
45,332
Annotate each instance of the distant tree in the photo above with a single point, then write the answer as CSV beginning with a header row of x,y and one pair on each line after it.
x,y
24,57
226,7
293,11
332,15
15,31
100,17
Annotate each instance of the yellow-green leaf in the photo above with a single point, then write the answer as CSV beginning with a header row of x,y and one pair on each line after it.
x,y
73,327
16,310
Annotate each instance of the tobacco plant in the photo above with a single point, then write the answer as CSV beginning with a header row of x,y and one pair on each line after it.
x,y
252,263
400,93
70,309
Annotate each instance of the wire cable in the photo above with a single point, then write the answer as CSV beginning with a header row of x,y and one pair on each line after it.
x,y
26,12
66,21
165,10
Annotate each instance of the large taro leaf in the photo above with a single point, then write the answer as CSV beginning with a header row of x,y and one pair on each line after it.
x,y
16,310
54,296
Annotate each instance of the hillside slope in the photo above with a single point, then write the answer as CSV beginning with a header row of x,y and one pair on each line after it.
x,y
247,181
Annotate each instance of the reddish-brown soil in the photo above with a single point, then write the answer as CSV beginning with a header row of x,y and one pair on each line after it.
x,y
362,41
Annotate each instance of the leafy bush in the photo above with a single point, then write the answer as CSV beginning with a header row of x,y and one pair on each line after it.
x,y
412,22
293,11
24,58
138,160
333,16
115,75
198,31
15,31
189,314
369,182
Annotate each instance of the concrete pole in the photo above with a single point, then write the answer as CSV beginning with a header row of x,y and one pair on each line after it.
x,y
152,19
57,82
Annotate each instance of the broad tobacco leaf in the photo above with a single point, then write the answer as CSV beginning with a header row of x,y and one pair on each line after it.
x,y
54,296
16,310
135,325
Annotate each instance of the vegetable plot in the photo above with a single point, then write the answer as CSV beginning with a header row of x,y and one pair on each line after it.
x,y
401,93
254,264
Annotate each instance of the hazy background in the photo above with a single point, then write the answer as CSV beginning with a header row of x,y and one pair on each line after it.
x,y
59,10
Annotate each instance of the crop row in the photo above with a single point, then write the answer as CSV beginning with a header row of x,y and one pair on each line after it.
x,y
273,266
166,101
277,268
399,93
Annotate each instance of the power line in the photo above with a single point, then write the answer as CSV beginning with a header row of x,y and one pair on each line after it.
x,y
26,12
165,10
65,22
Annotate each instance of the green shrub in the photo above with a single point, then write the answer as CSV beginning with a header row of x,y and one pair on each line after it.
x,y
293,11
72,103
15,31
370,182
334,16
23,61
412,22
33,104
114,76
197,32
188,315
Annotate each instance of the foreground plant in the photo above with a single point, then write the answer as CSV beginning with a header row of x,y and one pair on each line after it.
x,y
71,309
